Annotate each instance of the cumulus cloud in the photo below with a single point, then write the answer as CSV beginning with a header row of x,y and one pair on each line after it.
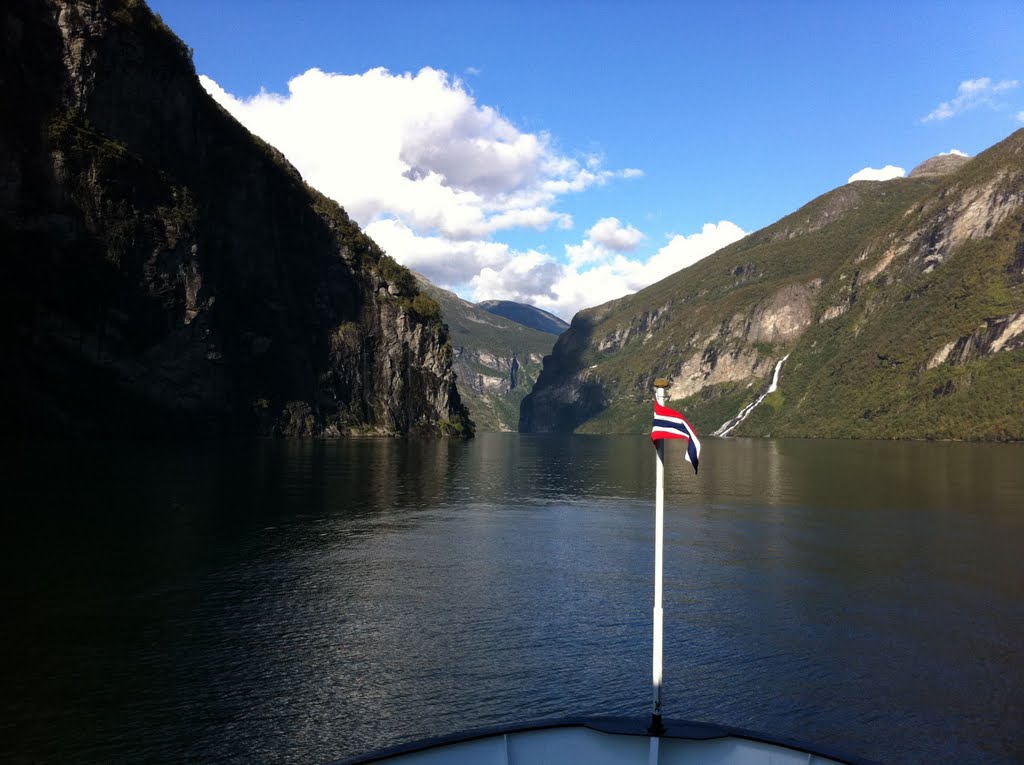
x,y
955,152
683,251
587,252
877,174
610,233
595,274
417,148
1020,117
434,177
444,261
970,94
529,277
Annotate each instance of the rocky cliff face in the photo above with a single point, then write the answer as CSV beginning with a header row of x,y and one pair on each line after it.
x,y
497,360
164,271
898,303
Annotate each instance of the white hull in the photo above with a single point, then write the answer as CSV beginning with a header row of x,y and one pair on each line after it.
x,y
601,742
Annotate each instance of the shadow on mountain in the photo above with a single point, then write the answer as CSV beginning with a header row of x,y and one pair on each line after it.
x,y
565,396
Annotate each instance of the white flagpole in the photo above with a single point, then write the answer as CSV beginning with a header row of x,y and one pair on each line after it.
x,y
657,728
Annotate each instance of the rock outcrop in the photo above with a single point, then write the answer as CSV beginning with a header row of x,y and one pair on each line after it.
x,y
164,271
1002,333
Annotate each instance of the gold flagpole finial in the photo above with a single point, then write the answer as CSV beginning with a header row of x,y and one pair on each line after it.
x,y
661,382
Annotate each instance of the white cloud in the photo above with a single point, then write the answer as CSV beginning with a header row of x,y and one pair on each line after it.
x,y
955,152
587,252
1020,117
487,270
594,274
970,94
444,261
529,277
433,177
610,233
877,174
417,148
683,251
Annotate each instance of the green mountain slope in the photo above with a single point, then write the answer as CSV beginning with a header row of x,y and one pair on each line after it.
x,y
900,304
496,360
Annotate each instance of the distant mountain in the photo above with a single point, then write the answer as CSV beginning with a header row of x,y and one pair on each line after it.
x,y
496,360
527,315
164,271
898,307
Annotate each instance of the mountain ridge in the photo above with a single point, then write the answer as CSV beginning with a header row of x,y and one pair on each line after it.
x,y
942,164
527,315
852,264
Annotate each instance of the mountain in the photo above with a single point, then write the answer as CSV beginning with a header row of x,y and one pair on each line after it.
x,y
527,315
166,272
898,307
940,165
496,360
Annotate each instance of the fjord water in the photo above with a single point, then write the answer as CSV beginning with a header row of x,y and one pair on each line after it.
x,y
298,602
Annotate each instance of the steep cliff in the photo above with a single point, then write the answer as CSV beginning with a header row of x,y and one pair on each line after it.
x,y
496,359
899,304
164,271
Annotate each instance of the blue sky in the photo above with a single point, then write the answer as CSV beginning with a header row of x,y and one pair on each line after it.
x,y
566,153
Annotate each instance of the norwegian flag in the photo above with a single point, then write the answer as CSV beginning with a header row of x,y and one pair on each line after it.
x,y
669,423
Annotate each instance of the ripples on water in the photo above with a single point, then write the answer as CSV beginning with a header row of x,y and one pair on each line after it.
x,y
300,602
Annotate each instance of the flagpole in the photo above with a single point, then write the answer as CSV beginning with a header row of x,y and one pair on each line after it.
x,y
657,728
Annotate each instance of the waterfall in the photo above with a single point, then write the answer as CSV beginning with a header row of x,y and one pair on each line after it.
x,y
728,426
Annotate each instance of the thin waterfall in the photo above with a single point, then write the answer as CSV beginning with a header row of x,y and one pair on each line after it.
x,y
728,426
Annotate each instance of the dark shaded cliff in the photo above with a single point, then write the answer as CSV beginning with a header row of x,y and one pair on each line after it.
x,y
164,271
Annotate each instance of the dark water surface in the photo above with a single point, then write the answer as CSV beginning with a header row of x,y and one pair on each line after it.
x,y
300,602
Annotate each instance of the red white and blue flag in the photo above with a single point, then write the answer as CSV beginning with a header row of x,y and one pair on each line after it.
x,y
669,423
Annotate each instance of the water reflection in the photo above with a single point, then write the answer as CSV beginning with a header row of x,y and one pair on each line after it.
x,y
296,602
